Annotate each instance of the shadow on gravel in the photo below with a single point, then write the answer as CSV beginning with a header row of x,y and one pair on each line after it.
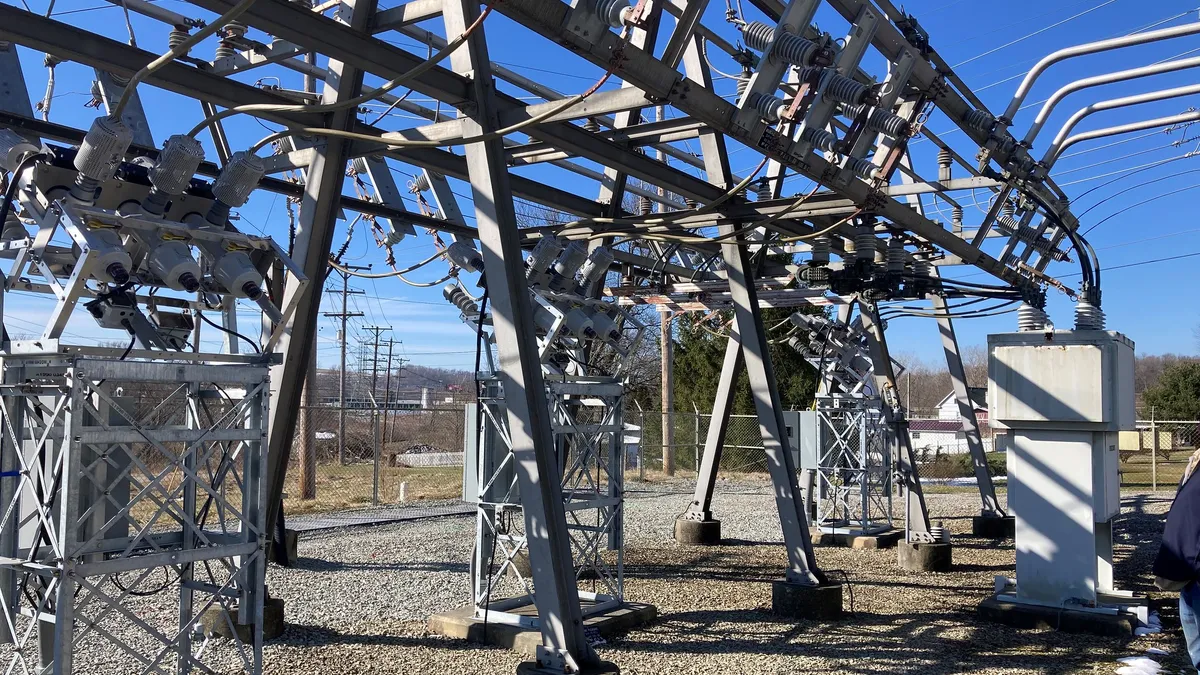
x,y
300,635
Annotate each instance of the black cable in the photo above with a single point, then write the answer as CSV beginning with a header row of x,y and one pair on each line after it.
x,y
234,333
1089,267
11,193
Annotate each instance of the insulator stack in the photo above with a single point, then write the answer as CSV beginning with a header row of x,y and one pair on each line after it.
x,y
922,268
643,205
839,87
880,121
1008,210
1088,316
864,244
596,266
979,119
692,203
939,533
956,217
231,31
459,298
896,255
1009,226
944,157
764,191
419,184
177,36
822,246
1030,318
743,84
785,46
590,124
612,12
862,167
767,106
820,139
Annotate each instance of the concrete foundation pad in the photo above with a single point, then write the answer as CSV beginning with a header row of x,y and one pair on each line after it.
x,y
817,603
698,532
602,668
993,527
886,539
461,624
1020,615
924,557
214,621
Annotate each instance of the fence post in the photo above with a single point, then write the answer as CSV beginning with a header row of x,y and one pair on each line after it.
x,y
1153,452
375,442
641,442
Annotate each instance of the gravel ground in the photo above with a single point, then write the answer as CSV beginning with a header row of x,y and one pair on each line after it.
x,y
358,600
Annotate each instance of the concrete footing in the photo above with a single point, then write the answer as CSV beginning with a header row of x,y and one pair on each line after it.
x,y
993,527
885,539
698,532
461,624
924,557
602,668
817,603
213,620
1021,615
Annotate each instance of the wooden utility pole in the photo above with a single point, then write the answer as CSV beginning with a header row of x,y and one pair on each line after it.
x,y
344,315
308,430
668,395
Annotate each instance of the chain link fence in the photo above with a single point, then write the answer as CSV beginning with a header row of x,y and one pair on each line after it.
x,y
388,458
403,458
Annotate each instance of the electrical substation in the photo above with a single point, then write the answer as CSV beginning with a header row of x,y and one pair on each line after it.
x,y
151,409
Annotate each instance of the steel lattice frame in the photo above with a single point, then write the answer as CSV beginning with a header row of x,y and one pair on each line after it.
x,y
110,492
350,44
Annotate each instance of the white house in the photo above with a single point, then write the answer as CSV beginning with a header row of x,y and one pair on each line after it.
x,y
944,435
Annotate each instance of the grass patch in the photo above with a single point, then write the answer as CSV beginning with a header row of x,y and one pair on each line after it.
x,y
352,486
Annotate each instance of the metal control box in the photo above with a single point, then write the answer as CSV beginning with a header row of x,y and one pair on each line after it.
x,y
1063,396
803,428
1082,379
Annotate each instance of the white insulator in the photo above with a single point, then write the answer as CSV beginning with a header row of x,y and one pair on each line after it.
x,y
796,342
864,244
939,532
879,120
103,148
784,46
770,107
839,87
542,256
764,191
419,184
862,167
605,326
822,246
1030,318
1088,316
13,147
171,260
466,256
956,217
896,255
236,272
111,261
177,163
571,259
612,12
238,179
596,266
819,138
979,120
944,157
578,323
459,298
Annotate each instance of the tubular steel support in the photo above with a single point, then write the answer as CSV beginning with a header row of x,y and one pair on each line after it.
x,y
314,238
958,379
564,645
916,514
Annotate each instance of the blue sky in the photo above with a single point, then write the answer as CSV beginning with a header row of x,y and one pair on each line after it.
x,y
987,49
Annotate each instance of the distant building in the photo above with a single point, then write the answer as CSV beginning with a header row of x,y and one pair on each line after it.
x,y
945,435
